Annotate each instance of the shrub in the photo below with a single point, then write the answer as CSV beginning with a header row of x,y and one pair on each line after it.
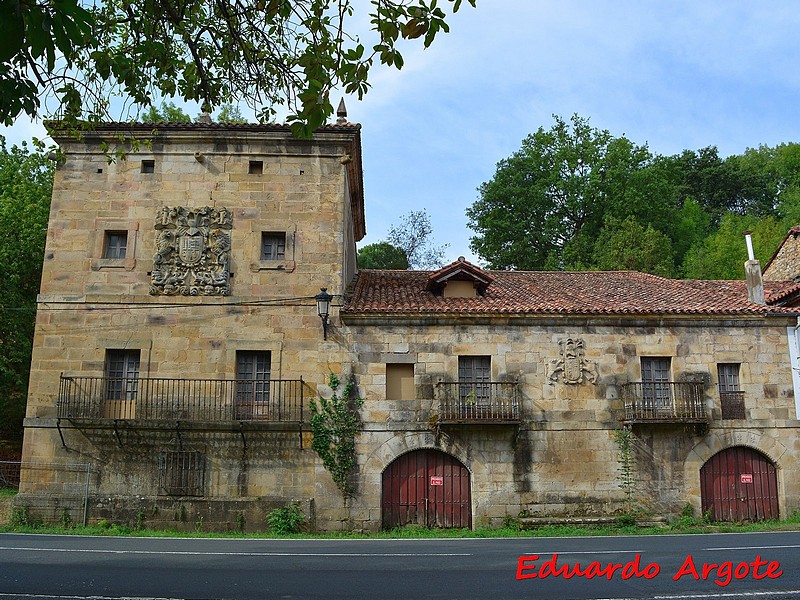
x,y
286,520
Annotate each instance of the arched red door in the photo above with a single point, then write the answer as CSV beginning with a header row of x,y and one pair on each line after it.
x,y
739,484
427,487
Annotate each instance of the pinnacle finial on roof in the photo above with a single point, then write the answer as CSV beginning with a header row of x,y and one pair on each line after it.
x,y
341,112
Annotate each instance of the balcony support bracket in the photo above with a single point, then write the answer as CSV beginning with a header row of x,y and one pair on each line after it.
x,y
116,433
241,432
61,433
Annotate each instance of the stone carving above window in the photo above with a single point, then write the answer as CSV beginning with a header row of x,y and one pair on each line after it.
x,y
193,247
572,367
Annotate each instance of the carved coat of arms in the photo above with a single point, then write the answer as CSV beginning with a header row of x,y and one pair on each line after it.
x,y
572,367
192,255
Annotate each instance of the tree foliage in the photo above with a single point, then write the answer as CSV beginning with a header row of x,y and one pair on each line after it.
x,y
413,237
546,203
574,197
382,255
26,181
168,113
230,113
628,245
76,54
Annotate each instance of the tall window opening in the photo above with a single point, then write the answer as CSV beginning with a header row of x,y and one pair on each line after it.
x,y
252,384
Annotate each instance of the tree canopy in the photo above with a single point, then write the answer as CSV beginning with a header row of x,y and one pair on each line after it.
x,y
382,255
26,182
65,59
546,202
413,237
575,197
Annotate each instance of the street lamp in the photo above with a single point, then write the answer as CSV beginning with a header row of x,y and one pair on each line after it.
x,y
324,309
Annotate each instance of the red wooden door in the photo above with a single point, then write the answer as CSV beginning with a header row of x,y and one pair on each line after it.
x,y
739,484
426,487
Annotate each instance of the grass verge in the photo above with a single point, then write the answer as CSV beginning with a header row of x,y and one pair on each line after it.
x,y
511,529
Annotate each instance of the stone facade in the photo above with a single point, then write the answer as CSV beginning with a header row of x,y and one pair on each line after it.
x,y
147,361
785,263
562,461
240,183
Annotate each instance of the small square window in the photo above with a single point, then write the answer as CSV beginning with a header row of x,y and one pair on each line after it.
x,y
116,244
273,245
256,167
148,166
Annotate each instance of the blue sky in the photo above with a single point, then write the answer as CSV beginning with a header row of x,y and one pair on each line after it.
x,y
675,75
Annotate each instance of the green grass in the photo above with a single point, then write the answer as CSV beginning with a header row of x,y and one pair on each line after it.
x,y
8,492
683,526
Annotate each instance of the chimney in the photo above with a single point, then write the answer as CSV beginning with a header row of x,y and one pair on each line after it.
x,y
752,272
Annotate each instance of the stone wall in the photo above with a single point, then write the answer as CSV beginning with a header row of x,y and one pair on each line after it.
x,y
90,304
562,461
785,266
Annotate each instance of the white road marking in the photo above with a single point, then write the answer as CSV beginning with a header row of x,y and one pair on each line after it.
x,y
186,553
754,547
3,594
729,595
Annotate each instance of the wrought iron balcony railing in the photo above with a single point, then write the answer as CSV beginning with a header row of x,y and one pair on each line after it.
x,y
490,402
732,405
664,402
161,399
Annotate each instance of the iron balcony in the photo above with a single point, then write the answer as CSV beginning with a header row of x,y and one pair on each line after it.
x,y
664,402
478,403
184,400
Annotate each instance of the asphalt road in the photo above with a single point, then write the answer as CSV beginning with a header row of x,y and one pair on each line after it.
x,y
77,568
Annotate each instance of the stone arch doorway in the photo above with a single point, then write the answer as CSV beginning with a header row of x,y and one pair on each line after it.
x,y
427,487
739,484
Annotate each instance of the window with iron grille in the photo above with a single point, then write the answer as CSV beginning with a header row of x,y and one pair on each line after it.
x,y
181,473
116,244
474,375
252,383
122,374
730,394
273,245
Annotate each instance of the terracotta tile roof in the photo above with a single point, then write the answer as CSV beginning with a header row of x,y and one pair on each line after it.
x,y
189,126
551,293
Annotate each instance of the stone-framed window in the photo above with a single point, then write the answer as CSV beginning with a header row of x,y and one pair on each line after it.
x,y
273,245
656,391
122,374
731,396
181,473
474,377
253,370
115,244
112,244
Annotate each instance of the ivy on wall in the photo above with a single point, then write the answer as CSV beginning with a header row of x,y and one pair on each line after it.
x,y
334,424
626,472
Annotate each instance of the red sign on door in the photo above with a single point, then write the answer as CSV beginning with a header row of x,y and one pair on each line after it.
x,y
747,478
437,480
